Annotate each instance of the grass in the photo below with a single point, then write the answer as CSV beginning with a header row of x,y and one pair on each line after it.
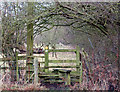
x,y
101,78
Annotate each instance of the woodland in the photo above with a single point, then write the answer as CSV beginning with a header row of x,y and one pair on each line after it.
x,y
92,26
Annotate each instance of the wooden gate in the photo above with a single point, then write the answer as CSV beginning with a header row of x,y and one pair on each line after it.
x,y
78,65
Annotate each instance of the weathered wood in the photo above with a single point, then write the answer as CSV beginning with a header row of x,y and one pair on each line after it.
x,y
75,73
22,57
41,62
29,63
68,79
81,72
46,60
5,59
61,67
74,80
35,71
21,68
62,50
62,61
52,78
54,81
77,58
29,39
17,67
66,73
48,75
62,70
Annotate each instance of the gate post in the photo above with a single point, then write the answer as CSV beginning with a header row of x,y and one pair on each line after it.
x,y
79,63
81,72
77,59
35,70
46,59
17,68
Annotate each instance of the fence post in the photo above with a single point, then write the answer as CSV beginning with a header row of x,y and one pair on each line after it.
x,y
17,74
77,59
79,63
35,70
81,72
46,59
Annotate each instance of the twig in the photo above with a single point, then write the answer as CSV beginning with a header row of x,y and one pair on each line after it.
x,y
29,79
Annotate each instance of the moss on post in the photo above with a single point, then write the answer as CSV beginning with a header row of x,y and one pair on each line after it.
x,y
79,63
29,63
81,73
77,58
46,60
68,80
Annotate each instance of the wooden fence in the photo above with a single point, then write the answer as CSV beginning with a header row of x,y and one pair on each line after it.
x,y
78,65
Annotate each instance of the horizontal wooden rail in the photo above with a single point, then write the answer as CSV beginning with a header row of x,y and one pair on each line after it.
x,y
31,56
62,50
61,67
48,75
62,61
53,81
41,62
5,59
22,68
19,58
61,70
